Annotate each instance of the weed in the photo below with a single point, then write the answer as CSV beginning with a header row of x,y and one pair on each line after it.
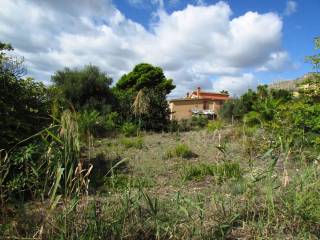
x,y
121,182
180,150
220,172
214,125
132,142
129,129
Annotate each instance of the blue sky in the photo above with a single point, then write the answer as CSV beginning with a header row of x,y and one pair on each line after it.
x,y
231,45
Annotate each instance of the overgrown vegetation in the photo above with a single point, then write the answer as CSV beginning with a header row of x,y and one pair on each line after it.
x,y
77,160
181,150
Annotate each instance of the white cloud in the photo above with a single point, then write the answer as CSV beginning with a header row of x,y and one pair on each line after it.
x,y
236,85
291,8
277,61
192,45
200,2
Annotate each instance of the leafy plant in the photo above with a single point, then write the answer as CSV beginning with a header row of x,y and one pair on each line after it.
x,y
132,142
199,121
129,129
181,150
214,125
220,172
88,120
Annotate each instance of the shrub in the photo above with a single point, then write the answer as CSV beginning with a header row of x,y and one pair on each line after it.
x,y
173,126
26,171
132,142
214,125
221,172
129,129
111,121
180,150
184,125
302,197
88,121
199,121
252,118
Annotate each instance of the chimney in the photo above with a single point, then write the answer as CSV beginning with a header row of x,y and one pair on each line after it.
x,y
187,94
198,92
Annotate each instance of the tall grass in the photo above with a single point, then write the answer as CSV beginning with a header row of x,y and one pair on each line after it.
x,y
220,172
180,150
248,201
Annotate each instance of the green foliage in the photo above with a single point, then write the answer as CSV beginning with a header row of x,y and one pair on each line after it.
x,y
214,125
92,123
184,125
315,59
264,102
220,172
199,121
129,129
132,142
84,88
26,172
111,122
24,105
88,121
310,88
252,119
181,150
123,182
173,126
231,109
301,199
155,86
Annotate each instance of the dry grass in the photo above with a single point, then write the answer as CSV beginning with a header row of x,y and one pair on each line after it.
x,y
148,197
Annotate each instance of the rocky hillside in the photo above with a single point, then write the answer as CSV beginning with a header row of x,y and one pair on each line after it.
x,y
291,85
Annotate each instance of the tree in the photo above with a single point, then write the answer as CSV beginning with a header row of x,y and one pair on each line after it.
x,y
84,88
24,106
315,59
310,88
155,86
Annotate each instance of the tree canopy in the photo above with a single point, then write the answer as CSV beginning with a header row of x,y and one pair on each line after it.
x,y
84,88
155,85
24,107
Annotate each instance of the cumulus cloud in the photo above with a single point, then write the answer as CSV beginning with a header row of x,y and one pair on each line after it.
x,y
277,61
291,8
194,46
236,85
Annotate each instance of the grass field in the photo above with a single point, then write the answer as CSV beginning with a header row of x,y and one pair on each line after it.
x,y
223,184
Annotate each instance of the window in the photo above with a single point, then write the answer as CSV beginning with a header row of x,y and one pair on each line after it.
x,y
205,105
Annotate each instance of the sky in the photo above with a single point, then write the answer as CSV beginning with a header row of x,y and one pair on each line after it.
x,y
216,45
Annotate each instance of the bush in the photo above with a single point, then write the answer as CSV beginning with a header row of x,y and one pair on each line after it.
x,y
252,118
199,121
111,122
214,125
302,197
184,125
132,142
173,126
26,172
180,150
129,129
88,121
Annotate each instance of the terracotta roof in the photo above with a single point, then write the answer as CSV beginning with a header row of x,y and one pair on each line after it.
x,y
210,95
197,99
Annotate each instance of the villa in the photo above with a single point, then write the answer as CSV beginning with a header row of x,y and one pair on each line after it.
x,y
197,103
